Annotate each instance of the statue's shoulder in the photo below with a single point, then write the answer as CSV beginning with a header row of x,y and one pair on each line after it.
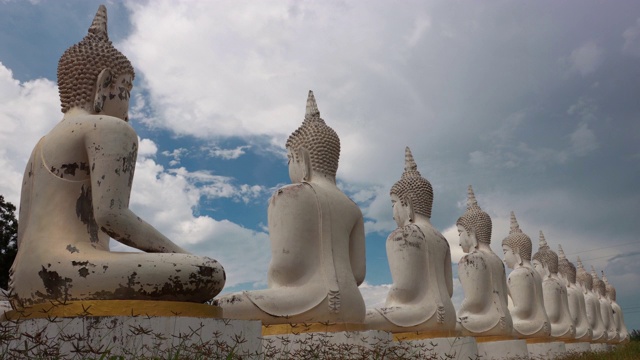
x,y
408,232
294,194
523,274
91,122
476,259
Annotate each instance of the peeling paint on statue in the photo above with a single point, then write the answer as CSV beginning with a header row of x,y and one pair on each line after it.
x,y
72,202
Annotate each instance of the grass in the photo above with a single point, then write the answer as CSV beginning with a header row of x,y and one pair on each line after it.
x,y
629,351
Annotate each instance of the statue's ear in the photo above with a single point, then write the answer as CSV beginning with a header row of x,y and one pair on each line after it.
x,y
412,214
518,257
306,162
102,84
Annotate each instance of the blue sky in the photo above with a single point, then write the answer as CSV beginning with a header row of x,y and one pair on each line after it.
x,y
533,103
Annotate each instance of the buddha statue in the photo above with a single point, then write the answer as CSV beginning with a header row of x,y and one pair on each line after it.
x,y
556,302
317,240
618,318
525,286
592,304
575,297
484,310
599,287
420,262
75,195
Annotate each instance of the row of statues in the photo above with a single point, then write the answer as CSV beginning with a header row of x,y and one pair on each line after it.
x,y
75,196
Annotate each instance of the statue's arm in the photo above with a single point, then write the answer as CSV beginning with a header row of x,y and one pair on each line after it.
x,y
521,289
475,280
551,296
448,272
357,251
112,148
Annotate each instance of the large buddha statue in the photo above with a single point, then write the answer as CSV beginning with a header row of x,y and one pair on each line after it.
x,y
420,262
599,287
525,286
317,239
484,310
592,304
556,302
575,297
618,318
75,195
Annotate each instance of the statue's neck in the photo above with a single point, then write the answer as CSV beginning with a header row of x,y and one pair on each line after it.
x,y
484,247
322,178
419,218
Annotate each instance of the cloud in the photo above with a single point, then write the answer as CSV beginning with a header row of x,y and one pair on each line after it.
x,y
587,58
583,140
27,111
168,199
226,154
176,155
632,39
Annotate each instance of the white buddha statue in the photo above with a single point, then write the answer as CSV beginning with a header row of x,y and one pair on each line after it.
x,y
618,318
317,240
75,195
525,286
484,310
599,287
575,297
592,304
556,302
420,262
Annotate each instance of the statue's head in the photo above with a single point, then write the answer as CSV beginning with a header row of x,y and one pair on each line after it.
x,y
474,225
95,76
545,259
314,144
584,279
598,285
517,245
611,291
413,187
565,267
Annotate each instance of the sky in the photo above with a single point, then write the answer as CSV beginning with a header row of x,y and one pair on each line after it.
x,y
533,103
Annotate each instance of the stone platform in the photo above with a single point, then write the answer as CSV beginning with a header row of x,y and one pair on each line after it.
x,y
545,348
324,341
501,348
444,344
577,347
151,329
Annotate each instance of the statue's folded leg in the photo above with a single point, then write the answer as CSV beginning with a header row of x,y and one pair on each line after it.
x,y
104,275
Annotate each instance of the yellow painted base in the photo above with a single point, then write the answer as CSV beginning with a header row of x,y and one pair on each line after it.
x,y
483,339
539,340
282,329
421,335
115,308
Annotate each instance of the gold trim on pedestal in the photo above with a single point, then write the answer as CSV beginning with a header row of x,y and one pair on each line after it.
x,y
483,339
115,308
421,335
540,340
300,328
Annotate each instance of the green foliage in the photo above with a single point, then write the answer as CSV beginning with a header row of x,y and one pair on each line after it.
x,y
8,239
635,335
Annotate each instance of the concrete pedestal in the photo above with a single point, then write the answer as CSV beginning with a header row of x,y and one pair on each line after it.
x,y
577,347
126,328
131,337
325,341
545,349
421,345
501,348
600,347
